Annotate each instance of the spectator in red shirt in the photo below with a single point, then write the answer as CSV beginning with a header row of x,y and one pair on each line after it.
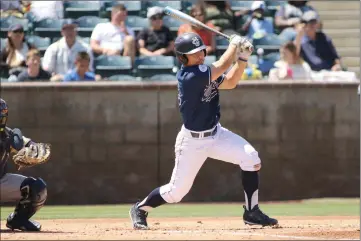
x,y
198,12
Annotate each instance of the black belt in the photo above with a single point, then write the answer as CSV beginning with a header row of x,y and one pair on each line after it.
x,y
205,134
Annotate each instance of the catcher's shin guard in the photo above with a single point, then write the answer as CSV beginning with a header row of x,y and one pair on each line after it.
x,y
34,193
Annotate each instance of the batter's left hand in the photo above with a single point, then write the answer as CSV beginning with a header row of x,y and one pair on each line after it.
x,y
245,50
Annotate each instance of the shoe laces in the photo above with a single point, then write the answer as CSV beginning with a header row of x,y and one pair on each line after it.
x,y
142,215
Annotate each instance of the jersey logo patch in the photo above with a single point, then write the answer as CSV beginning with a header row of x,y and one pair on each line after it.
x,y
210,92
196,41
203,68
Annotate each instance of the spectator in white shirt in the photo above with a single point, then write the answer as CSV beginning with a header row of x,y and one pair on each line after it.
x,y
114,38
47,9
59,57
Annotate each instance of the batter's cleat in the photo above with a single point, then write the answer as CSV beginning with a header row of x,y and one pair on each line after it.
x,y
257,217
138,217
22,224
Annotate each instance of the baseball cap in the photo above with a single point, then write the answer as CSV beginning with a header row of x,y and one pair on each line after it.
x,y
309,16
154,11
16,27
258,5
69,21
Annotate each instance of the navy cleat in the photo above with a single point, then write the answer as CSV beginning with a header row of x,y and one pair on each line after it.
x,y
13,223
257,217
138,217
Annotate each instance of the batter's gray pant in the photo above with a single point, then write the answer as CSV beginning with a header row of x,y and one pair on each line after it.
x,y
10,187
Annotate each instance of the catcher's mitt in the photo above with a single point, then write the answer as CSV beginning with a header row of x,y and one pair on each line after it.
x,y
35,154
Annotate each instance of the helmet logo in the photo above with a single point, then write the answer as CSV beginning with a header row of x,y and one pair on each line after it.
x,y
195,41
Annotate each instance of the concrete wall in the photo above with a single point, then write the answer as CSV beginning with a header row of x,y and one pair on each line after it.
x,y
113,142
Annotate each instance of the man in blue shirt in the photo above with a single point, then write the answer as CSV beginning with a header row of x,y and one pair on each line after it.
x,y
202,135
81,71
315,47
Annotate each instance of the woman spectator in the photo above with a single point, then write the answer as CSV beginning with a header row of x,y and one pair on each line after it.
x,y
13,55
291,66
208,37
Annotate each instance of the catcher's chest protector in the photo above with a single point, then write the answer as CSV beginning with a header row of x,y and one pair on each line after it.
x,y
4,152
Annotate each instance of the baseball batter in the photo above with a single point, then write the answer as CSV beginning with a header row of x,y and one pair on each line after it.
x,y
29,193
202,135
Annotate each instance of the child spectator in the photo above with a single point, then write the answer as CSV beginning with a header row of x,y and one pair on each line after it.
x,y
198,12
157,40
34,72
81,71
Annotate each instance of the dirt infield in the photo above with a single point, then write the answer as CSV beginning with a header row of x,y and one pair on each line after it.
x,y
295,228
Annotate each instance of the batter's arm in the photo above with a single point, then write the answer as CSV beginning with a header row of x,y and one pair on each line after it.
x,y
233,76
226,60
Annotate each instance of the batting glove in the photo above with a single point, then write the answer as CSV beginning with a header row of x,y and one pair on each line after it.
x,y
236,40
245,50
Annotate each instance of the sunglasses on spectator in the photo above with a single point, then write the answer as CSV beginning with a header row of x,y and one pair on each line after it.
x,y
157,17
18,31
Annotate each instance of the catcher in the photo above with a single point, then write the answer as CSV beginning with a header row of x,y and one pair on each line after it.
x,y
29,193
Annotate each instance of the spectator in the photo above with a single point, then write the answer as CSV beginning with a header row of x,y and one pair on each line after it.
x,y
157,40
47,9
219,13
114,38
291,66
81,73
11,8
315,47
60,56
34,71
256,23
13,55
288,16
209,39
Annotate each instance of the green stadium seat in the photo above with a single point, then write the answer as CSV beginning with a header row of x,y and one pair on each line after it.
x,y
86,25
147,66
173,25
162,77
173,4
107,66
133,7
269,43
267,62
77,9
3,43
240,5
273,6
39,42
221,45
122,77
210,59
48,28
7,22
137,23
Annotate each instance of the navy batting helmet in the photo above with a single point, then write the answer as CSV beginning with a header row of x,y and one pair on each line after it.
x,y
188,43
3,114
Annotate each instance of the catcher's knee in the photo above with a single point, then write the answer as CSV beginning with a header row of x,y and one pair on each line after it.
x,y
33,191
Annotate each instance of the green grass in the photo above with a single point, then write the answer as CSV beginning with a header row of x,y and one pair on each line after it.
x,y
316,207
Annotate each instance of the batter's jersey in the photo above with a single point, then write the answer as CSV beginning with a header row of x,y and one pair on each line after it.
x,y
198,97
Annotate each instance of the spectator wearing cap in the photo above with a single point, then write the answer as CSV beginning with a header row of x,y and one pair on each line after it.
x,y
81,71
198,12
256,23
315,47
156,40
114,37
34,72
60,56
13,54
288,16
47,9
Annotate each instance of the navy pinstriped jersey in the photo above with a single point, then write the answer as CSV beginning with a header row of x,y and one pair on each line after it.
x,y
198,97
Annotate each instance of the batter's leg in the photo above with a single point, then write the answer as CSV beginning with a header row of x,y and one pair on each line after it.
x,y
232,148
190,155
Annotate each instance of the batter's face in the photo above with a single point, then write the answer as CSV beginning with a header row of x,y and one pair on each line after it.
x,y
196,58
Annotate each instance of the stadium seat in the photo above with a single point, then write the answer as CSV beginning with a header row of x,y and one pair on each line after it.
x,y
173,4
210,59
85,40
3,43
133,7
137,23
240,5
48,28
266,63
272,7
148,66
221,45
163,77
40,43
269,43
173,24
122,77
107,66
77,9
5,24
86,24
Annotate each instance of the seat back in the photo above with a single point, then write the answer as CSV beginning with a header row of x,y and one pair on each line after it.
x,y
147,66
86,24
6,23
107,66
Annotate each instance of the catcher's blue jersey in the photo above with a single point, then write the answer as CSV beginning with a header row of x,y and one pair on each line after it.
x,y
198,97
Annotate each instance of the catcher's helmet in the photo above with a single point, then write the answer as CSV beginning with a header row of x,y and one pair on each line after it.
x,y
3,114
188,43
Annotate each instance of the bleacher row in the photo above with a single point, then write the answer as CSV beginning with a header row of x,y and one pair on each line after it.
x,y
88,14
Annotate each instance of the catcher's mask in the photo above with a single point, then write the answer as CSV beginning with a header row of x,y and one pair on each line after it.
x,y
3,114
188,43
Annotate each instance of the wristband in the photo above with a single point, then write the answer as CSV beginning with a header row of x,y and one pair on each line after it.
x,y
242,59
